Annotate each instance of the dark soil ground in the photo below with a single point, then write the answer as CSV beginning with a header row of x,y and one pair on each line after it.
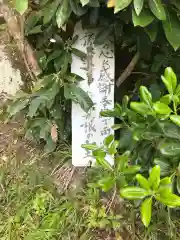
x,y
12,142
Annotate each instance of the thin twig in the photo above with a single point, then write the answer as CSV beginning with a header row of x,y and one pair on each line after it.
x,y
70,178
109,205
128,70
32,76
141,73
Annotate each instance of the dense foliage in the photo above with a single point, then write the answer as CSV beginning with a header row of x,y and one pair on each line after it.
x,y
151,15
49,27
149,133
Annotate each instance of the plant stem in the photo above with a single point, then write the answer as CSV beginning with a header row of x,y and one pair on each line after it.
x,y
173,175
159,124
125,123
170,223
112,200
129,69
174,106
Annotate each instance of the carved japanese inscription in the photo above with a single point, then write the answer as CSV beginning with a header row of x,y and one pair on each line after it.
x,y
98,71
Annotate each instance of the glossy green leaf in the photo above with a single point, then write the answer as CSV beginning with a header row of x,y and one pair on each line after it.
x,y
150,135
132,170
121,181
176,100
31,21
82,98
102,35
138,6
63,13
112,149
100,156
164,165
161,108
158,9
175,119
167,84
84,2
106,183
59,62
116,112
164,191
172,30
171,130
17,106
152,31
44,82
91,147
177,91
35,30
50,145
67,59
55,54
146,211
45,129
137,135
35,104
20,5
73,78
170,76
134,193
103,162
99,152
79,53
143,19
78,95
117,126
77,7
169,199
146,96
125,102
140,108
165,181
121,161
121,4
49,11
154,177
108,140
143,182
169,148
166,99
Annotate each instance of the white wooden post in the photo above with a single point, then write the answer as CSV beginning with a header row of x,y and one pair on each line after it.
x,y
91,127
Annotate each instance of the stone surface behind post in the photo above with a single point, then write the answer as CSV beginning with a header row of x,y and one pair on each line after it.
x,y
11,68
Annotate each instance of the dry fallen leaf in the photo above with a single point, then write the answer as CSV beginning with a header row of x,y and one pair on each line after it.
x,y
118,237
111,3
54,133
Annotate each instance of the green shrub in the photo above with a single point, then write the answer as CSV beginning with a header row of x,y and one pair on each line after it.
x,y
149,144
